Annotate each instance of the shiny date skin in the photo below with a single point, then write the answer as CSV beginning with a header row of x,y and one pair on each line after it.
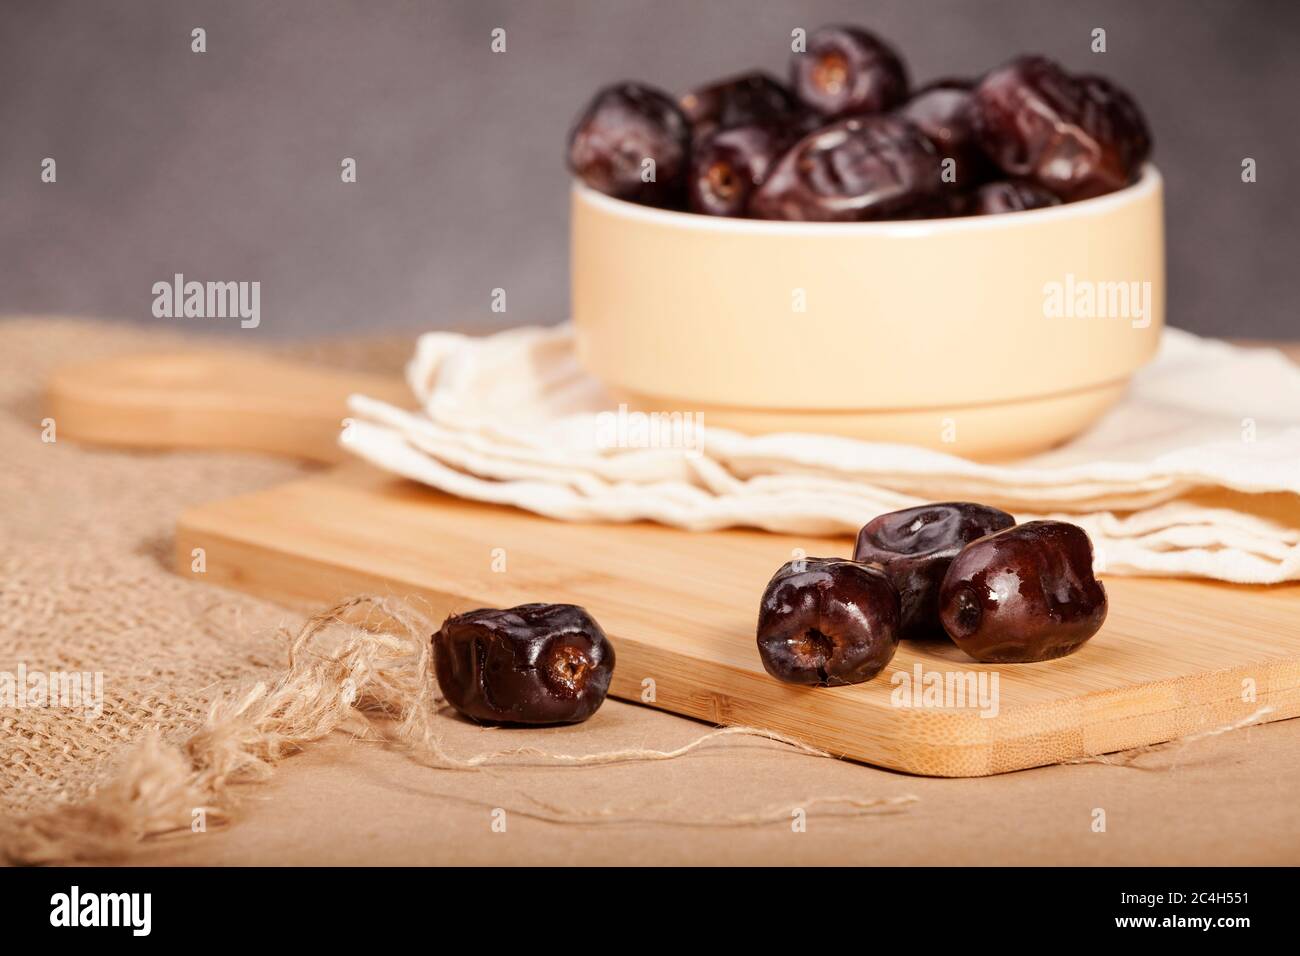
x,y
532,664
1077,137
942,111
827,622
864,168
1128,126
729,166
914,548
745,100
622,127
1024,594
848,71
1010,195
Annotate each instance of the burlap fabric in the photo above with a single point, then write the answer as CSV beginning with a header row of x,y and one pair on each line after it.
x,y
85,585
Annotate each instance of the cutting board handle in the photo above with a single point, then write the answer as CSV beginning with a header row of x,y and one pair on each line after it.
x,y
212,400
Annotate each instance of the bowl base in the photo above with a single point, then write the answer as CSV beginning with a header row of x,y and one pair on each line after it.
x,y
997,431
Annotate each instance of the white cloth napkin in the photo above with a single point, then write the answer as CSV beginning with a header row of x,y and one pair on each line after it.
x,y
1195,472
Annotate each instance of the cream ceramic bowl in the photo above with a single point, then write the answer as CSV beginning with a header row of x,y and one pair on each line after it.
x,y
987,337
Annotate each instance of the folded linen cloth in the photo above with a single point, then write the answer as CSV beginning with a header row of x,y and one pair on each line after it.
x,y
1195,472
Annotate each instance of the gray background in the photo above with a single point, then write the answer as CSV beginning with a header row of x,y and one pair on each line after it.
x,y
225,165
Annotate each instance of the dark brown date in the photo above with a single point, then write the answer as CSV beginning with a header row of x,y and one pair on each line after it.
x,y
1127,127
827,621
1078,137
623,127
942,111
848,71
1010,195
914,548
730,165
746,100
868,167
1024,594
532,664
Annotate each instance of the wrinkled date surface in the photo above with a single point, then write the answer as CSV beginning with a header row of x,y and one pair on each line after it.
x,y
915,546
827,621
730,165
1010,195
746,100
1024,594
622,128
532,664
1078,137
870,167
847,71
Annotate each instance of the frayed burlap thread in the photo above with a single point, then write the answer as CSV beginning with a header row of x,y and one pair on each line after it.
x,y
1131,758
838,806
366,657
87,585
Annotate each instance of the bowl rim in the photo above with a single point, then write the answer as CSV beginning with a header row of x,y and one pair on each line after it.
x,y
1149,182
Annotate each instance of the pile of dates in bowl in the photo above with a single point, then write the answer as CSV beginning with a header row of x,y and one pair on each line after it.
x,y
849,139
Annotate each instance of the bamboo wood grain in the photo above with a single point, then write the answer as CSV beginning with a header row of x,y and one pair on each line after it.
x,y
1173,658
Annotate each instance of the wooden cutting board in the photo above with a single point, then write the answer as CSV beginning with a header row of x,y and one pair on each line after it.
x,y
1174,656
